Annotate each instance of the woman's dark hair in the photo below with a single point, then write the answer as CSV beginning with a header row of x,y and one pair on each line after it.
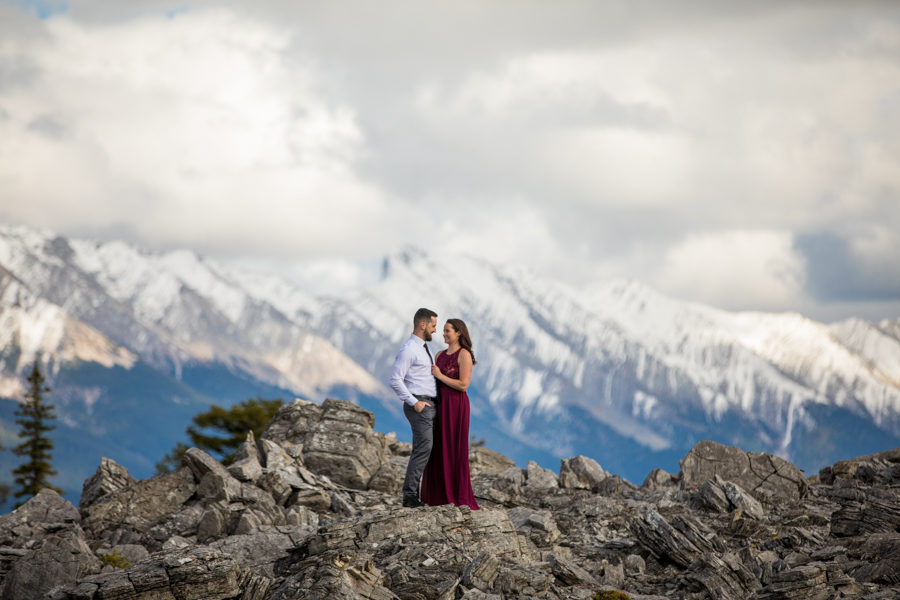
x,y
465,341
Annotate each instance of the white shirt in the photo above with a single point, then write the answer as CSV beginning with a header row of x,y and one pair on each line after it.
x,y
412,371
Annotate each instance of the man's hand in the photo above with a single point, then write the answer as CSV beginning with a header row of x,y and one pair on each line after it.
x,y
420,406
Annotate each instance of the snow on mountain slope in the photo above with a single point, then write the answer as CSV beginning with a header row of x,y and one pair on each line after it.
x,y
176,308
616,356
643,364
40,330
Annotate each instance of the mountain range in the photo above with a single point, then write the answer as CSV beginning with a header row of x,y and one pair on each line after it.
x,y
136,342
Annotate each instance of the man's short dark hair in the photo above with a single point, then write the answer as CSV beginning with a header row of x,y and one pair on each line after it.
x,y
423,314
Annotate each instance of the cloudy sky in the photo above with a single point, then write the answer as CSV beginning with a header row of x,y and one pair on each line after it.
x,y
743,154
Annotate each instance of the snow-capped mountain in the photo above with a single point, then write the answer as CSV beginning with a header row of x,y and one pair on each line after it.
x,y
173,310
136,343
620,365
616,371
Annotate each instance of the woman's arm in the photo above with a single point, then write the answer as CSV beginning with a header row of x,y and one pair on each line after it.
x,y
464,360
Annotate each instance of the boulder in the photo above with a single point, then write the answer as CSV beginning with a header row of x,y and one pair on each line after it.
x,y
336,439
293,422
581,472
481,572
876,558
245,465
680,541
385,532
613,575
57,559
260,548
539,479
343,446
110,477
537,525
806,582
711,496
741,499
882,468
484,461
247,450
723,577
863,510
764,475
345,575
718,495
657,479
569,573
120,517
197,573
246,470
274,457
43,512
389,477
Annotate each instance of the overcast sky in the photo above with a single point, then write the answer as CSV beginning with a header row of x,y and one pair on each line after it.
x,y
742,154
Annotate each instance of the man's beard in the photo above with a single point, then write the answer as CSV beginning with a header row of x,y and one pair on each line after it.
x,y
427,337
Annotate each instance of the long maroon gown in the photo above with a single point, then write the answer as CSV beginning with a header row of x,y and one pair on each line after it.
x,y
446,478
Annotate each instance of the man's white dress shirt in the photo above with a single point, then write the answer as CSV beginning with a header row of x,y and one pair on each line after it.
x,y
411,375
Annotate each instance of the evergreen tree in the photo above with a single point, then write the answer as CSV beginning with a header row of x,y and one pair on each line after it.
x,y
250,415
34,419
5,488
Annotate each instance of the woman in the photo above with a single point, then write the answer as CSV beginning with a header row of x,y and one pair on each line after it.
x,y
446,478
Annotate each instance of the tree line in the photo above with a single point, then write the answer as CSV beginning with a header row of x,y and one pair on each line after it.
x,y
218,431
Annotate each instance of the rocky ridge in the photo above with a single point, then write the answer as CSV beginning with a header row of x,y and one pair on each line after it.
x,y
311,510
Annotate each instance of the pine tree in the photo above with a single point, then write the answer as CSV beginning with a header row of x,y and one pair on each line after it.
x,y
34,419
252,414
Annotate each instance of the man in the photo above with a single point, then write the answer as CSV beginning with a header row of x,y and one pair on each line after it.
x,y
414,384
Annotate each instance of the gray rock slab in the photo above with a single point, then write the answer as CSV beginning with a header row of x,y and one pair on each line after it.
x,y
484,461
581,472
58,559
140,506
538,478
110,477
681,541
458,527
764,475
259,550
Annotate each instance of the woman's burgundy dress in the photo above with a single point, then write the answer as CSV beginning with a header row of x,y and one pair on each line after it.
x,y
446,478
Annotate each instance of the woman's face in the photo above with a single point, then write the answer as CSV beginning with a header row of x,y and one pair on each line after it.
x,y
451,336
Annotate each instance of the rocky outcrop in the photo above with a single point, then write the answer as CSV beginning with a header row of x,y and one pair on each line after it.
x,y
127,515
43,546
336,438
196,573
882,468
109,478
301,514
767,477
581,472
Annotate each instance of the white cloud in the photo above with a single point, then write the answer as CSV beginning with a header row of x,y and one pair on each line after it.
x,y
194,130
737,270
595,140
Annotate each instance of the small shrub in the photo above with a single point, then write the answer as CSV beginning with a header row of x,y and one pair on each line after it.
x,y
611,595
114,559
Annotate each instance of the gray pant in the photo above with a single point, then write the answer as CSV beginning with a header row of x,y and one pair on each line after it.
x,y
422,424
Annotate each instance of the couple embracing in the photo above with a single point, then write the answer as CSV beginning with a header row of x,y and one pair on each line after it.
x,y
435,403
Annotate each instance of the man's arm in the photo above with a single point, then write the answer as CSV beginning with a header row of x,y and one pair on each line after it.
x,y
398,374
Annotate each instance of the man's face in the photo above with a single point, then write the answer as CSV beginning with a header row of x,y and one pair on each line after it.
x,y
430,327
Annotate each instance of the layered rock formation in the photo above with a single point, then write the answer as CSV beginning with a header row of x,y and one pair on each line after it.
x,y
312,510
